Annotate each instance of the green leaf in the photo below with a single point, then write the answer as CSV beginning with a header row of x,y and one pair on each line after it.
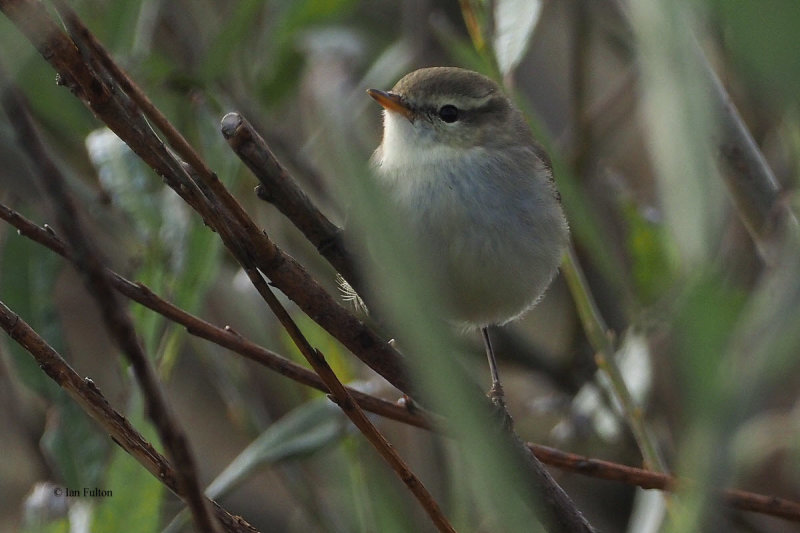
x,y
308,12
704,324
301,432
228,41
135,498
462,50
74,446
282,74
179,257
652,266
378,501
27,281
57,526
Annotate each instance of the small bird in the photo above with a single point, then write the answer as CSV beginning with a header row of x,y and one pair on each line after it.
x,y
476,193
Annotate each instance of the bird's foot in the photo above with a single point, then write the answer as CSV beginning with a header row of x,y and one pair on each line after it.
x,y
499,409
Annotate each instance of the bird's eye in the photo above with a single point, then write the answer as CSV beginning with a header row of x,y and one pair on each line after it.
x,y
448,113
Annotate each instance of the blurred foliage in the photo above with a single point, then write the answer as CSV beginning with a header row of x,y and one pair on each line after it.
x,y
335,354
70,441
762,37
651,263
307,429
27,280
664,253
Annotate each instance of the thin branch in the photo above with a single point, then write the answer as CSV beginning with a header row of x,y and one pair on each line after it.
x,y
280,189
756,192
250,241
86,394
760,202
254,151
350,407
105,94
559,510
647,479
117,322
224,337
599,337
109,103
93,51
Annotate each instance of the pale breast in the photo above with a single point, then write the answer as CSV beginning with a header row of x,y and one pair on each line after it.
x,y
493,239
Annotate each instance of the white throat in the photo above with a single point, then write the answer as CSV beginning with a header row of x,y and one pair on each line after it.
x,y
407,145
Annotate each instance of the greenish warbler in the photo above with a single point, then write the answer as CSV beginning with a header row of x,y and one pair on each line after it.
x,y
476,193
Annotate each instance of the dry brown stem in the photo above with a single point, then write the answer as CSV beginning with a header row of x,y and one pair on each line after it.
x,y
279,188
86,394
647,479
126,112
350,408
88,262
86,68
596,468
218,335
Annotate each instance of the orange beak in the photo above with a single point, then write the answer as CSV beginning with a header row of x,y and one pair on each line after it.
x,y
391,102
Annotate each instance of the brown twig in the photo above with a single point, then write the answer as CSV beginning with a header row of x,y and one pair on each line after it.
x,y
110,105
220,336
105,95
86,394
279,188
558,510
647,479
117,322
350,407
94,52
245,239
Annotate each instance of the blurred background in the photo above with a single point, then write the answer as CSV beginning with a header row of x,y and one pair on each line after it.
x,y
703,322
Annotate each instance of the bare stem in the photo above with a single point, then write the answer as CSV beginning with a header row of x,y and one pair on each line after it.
x,y
93,77
116,320
350,407
221,336
600,339
280,189
111,104
86,394
647,479
226,338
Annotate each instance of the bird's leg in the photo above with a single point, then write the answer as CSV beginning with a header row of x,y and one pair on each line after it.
x,y
495,394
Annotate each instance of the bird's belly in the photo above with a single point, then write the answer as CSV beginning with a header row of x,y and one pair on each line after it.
x,y
492,245
491,265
